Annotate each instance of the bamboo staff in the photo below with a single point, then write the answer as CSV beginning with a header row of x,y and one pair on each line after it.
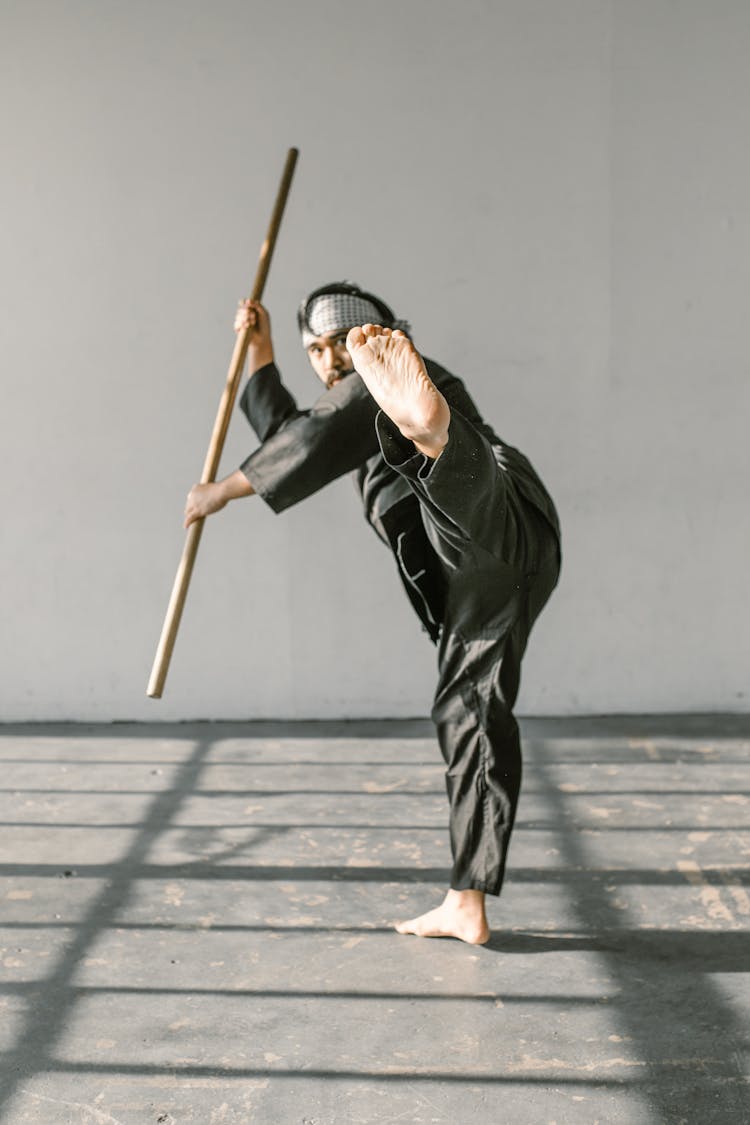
x,y
216,445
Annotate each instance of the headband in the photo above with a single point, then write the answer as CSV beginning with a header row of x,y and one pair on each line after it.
x,y
339,307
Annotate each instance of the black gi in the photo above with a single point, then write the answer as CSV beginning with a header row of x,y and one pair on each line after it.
x,y
476,540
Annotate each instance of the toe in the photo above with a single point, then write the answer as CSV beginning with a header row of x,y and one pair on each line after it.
x,y
405,928
355,338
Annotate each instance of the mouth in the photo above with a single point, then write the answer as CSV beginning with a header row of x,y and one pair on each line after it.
x,y
336,378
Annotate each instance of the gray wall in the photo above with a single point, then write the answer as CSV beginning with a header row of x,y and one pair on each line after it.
x,y
555,192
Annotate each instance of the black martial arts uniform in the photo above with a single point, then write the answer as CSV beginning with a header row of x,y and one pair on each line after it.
x,y
477,544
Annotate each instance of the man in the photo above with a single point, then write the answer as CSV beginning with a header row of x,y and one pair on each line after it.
x,y
474,534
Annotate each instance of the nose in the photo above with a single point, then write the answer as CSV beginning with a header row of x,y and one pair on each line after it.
x,y
331,361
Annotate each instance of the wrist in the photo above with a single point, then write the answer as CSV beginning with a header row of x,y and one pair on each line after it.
x,y
235,485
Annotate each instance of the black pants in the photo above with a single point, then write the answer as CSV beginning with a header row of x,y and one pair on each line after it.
x,y
500,560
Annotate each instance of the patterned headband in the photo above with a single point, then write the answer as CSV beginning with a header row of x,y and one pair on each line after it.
x,y
337,312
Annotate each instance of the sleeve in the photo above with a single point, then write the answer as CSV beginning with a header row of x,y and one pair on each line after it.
x,y
302,451
266,403
464,484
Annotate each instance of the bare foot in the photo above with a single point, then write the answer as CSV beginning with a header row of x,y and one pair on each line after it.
x,y
397,379
461,915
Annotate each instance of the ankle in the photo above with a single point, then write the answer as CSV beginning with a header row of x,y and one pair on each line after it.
x,y
431,446
470,900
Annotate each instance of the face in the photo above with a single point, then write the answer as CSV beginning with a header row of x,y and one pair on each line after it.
x,y
329,358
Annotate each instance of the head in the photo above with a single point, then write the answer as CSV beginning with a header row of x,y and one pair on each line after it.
x,y
324,319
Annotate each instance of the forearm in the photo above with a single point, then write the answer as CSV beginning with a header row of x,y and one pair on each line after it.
x,y
235,485
253,318
258,356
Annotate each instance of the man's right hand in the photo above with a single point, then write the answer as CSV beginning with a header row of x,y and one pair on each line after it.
x,y
205,499
253,315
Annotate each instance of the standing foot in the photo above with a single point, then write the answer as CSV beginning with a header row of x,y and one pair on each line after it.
x,y
461,915
396,377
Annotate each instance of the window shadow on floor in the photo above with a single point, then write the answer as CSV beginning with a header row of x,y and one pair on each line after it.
x,y
667,1002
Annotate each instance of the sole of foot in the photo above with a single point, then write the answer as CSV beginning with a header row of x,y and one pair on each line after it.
x,y
396,377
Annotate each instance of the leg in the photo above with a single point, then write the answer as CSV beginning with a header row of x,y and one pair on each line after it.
x,y
479,740
492,549
467,499
480,655
480,744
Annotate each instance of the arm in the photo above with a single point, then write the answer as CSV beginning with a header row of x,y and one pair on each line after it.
x,y
311,450
302,450
205,499
267,404
315,447
265,401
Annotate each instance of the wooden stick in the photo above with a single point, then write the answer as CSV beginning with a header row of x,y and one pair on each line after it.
x,y
216,445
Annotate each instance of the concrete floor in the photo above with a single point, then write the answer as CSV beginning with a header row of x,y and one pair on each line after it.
x,y
195,927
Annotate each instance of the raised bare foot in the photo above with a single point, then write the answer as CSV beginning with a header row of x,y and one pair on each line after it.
x,y
461,915
397,379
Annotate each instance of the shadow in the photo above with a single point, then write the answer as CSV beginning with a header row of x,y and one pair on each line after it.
x,y
251,873
296,994
696,952
529,791
623,754
373,826
667,1003
238,793
476,1078
188,928
572,877
222,763
203,730
55,995
699,952
706,726
355,826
